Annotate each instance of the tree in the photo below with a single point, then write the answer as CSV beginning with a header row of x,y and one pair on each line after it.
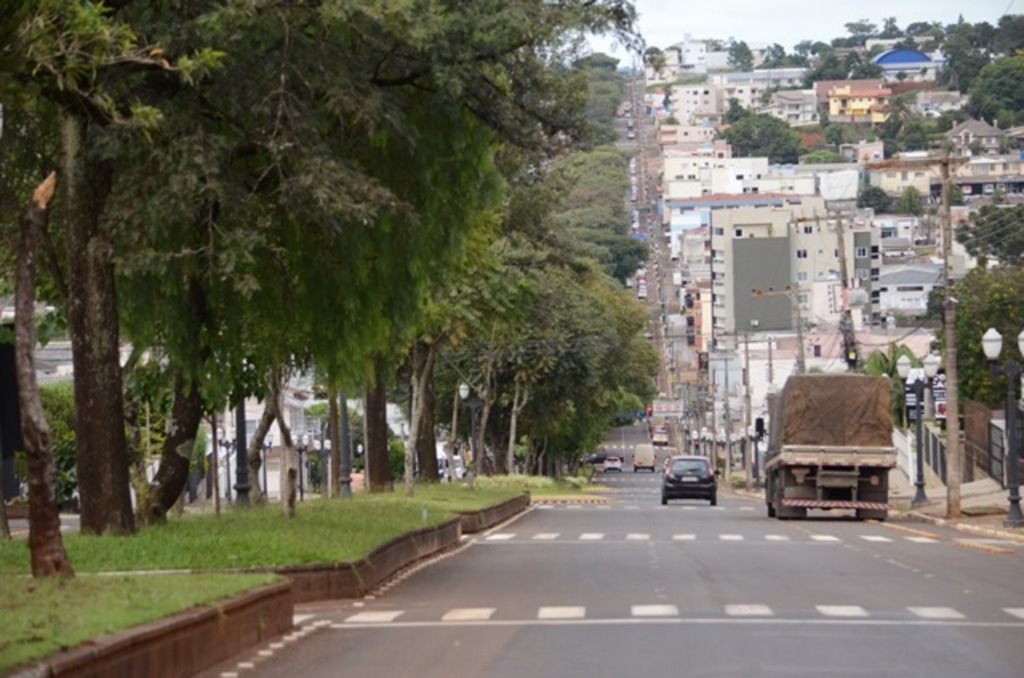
x,y
890,29
996,91
875,198
736,112
986,298
45,544
996,233
860,30
764,135
740,57
910,202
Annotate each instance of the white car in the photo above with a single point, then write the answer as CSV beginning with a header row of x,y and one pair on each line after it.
x,y
613,463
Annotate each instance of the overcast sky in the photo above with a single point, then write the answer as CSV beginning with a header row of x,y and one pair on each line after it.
x,y
787,22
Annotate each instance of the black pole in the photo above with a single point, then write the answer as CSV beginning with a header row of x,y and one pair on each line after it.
x,y
919,497
346,449
1014,518
241,454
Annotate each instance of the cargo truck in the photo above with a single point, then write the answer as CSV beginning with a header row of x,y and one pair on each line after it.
x,y
830,446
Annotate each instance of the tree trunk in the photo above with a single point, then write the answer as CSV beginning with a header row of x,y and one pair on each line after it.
x,y
375,425
176,456
289,472
334,433
426,441
519,399
103,464
45,543
258,493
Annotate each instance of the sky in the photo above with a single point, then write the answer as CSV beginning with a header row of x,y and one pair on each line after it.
x,y
787,22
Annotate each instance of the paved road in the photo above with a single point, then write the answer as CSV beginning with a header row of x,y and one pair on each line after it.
x,y
633,587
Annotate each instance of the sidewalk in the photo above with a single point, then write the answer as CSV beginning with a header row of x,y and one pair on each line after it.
x,y
983,506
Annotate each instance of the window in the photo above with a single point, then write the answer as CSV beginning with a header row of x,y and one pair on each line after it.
x,y
739,232
801,276
861,252
801,254
719,231
808,229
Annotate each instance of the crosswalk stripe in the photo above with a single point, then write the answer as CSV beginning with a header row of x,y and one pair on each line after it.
x,y
922,540
824,537
546,536
1015,611
842,610
591,536
561,612
731,537
654,611
501,536
636,536
469,614
683,537
776,537
935,612
378,617
875,538
748,611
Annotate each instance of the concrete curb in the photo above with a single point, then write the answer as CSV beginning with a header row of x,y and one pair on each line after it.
x,y
963,527
195,640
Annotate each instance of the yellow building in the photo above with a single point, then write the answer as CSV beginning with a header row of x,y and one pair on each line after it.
x,y
846,104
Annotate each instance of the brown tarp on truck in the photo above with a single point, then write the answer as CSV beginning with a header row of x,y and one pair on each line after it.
x,y
844,410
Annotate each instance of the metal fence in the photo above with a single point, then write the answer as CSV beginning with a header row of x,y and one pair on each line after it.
x,y
935,454
996,453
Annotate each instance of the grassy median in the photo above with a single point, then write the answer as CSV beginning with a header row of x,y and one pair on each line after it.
x,y
38,618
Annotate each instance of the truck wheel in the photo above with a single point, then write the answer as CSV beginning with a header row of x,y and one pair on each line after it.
x,y
771,509
714,500
664,500
872,514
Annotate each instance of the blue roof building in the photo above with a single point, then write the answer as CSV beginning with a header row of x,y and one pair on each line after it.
x,y
908,64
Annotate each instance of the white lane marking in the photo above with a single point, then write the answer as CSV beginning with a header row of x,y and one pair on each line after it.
x,y
731,537
776,537
922,540
545,507
591,536
468,614
683,537
547,536
501,536
575,507
824,537
935,612
577,612
1015,611
654,611
637,536
380,617
842,610
748,611
747,508
875,538
297,619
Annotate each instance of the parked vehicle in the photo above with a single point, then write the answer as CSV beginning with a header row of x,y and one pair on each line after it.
x,y
643,458
689,477
612,463
830,446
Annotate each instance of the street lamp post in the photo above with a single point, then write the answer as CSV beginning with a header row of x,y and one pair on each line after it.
x,y
992,345
300,449
931,367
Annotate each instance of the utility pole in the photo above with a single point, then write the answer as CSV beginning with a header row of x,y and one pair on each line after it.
x,y
728,426
954,457
746,411
954,453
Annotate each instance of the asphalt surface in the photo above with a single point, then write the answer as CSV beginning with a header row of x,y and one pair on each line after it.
x,y
627,586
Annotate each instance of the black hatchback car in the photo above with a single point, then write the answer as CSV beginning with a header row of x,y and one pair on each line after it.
x,y
689,478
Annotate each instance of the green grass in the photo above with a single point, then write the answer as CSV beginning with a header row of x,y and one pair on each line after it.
x,y
322,531
41,617
38,618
